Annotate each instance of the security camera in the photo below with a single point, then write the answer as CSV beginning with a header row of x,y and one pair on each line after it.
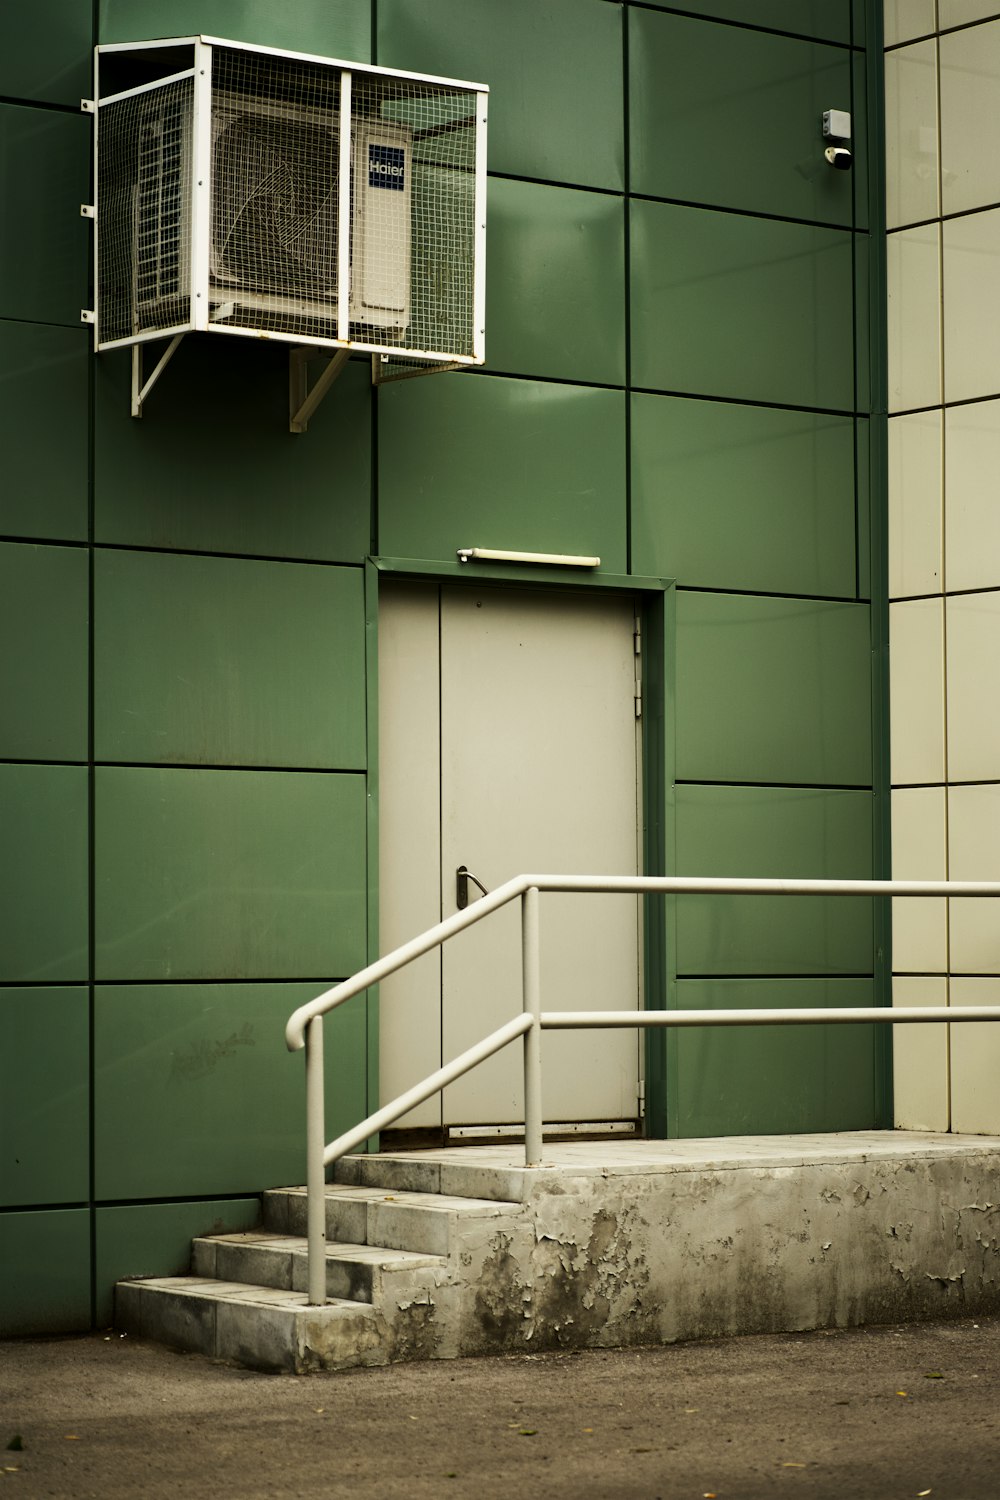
x,y
839,157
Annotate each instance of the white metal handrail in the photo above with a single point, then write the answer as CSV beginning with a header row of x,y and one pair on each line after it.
x,y
305,1025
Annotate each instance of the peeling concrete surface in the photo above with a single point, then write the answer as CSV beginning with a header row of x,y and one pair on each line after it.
x,y
601,1257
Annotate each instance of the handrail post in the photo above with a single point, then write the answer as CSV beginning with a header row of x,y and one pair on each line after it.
x,y
315,1180
531,983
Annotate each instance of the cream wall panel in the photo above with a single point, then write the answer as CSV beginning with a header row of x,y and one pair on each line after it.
x,y
972,490
907,18
975,1061
974,854
919,852
911,134
970,107
959,12
915,504
973,703
914,298
944,534
920,1059
916,688
972,306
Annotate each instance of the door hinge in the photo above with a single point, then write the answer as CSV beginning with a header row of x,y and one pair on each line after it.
x,y
641,1097
637,650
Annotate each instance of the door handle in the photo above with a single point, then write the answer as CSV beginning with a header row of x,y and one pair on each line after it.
x,y
462,877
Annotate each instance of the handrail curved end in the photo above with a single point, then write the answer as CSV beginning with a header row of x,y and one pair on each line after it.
x,y
295,1031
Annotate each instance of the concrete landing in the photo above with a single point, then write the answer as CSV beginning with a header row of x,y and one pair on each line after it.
x,y
435,1254
652,1241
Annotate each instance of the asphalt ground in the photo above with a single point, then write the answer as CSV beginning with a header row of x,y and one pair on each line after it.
x,y
894,1413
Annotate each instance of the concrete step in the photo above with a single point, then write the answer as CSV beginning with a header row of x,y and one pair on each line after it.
x,y
408,1263
425,1222
354,1273
412,1173
262,1327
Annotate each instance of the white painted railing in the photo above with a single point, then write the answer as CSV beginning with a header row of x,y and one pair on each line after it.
x,y
305,1025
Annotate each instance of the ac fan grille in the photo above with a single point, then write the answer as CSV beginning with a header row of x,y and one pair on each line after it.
x,y
274,206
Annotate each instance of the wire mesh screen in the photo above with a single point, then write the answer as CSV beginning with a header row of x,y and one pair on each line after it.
x,y
144,241
389,367
413,215
275,144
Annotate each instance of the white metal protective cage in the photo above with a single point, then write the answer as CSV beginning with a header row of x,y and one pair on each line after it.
x,y
278,195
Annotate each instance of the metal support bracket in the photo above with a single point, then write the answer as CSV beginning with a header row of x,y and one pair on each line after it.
x,y
141,389
302,401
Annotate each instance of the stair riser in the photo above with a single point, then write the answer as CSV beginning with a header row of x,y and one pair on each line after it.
x,y
403,1175
291,1340
360,1277
391,1226
283,1270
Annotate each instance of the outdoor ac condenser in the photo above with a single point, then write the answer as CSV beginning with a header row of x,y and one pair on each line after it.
x,y
271,194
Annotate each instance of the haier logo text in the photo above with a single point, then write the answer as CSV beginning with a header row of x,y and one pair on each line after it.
x,y
386,167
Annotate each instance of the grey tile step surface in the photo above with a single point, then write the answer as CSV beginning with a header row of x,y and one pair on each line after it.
x,y
256,1257
424,1222
262,1327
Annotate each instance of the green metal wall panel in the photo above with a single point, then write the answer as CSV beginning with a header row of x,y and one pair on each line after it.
x,y
46,52
829,19
554,72
212,466
44,243
44,374
339,30
180,1073
229,874
859,139
43,874
733,118
154,1239
43,665
729,305
868,585
556,284
45,1098
224,661
726,496
773,831
45,1286
765,1080
773,690
467,460
862,325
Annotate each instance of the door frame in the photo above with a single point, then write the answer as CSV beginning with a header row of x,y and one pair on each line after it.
x,y
656,600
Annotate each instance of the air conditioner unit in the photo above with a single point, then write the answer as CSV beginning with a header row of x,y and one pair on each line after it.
x,y
245,190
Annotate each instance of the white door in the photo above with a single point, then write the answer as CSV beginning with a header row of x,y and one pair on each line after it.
x,y
508,742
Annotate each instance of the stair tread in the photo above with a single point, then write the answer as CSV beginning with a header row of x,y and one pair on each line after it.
x,y
337,1250
474,1207
239,1291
